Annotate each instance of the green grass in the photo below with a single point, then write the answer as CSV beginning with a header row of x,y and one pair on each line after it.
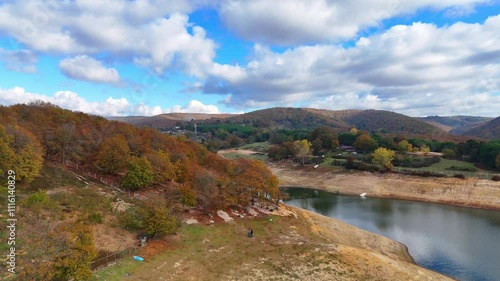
x,y
445,166
123,268
236,155
256,146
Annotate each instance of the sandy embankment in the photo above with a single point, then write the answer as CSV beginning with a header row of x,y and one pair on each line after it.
x,y
471,192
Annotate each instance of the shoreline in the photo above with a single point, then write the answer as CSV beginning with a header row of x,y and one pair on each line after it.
x,y
468,193
411,199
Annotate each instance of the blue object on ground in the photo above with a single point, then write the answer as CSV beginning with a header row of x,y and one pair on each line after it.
x,y
137,258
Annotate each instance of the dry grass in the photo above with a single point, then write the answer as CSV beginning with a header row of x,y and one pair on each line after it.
x,y
305,247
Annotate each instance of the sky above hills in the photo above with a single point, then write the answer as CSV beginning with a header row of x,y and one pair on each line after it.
x,y
147,57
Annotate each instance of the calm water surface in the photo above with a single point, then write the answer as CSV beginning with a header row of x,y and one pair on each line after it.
x,y
460,242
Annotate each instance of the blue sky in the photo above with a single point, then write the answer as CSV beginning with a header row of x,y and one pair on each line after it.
x,y
148,57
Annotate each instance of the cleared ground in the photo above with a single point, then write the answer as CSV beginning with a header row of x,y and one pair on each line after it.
x,y
300,246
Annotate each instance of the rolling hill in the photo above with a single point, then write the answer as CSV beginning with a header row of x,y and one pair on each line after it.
x,y
341,120
456,124
489,130
391,122
166,121
305,118
287,118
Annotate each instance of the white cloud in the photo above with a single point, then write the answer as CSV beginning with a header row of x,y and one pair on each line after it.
x,y
289,22
19,60
195,106
109,107
88,69
417,69
152,33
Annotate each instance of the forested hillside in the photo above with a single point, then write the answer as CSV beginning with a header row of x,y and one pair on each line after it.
x,y
391,122
456,124
57,218
167,121
286,118
385,122
142,157
489,130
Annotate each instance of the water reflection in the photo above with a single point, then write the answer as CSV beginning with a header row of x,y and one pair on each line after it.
x,y
460,242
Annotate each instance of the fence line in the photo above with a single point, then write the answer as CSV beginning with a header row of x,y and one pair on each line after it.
x,y
81,172
112,257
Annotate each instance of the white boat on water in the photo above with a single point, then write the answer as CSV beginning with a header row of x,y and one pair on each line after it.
x,y
362,195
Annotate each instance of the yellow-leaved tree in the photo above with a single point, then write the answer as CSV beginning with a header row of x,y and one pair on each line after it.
x,y
383,157
302,149
164,169
157,217
74,263
404,146
21,152
139,175
113,155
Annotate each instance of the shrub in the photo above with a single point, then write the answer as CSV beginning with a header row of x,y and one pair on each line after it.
x,y
495,178
459,176
130,219
411,161
423,174
95,218
363,166
464,169
37,198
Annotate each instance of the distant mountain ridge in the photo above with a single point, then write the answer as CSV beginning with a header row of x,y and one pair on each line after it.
x,y
305,118
489,130
287,118
456,124
168,120
391,122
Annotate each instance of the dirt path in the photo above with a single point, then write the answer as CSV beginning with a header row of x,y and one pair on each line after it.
x,y
469,192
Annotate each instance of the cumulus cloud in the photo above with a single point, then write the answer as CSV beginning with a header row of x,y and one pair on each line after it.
x,y
195,106
152,33
88,69
289,22
19,60
416,69
109,107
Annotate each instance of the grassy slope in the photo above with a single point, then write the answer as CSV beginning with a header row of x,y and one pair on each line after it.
x,y
306,247
257,151
69,199
256,146
445,165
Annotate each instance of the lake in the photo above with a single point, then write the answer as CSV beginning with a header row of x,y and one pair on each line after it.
x,y
460,242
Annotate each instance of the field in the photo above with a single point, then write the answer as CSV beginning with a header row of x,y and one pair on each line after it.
x,y
256,146
237,155
257,151
453,167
